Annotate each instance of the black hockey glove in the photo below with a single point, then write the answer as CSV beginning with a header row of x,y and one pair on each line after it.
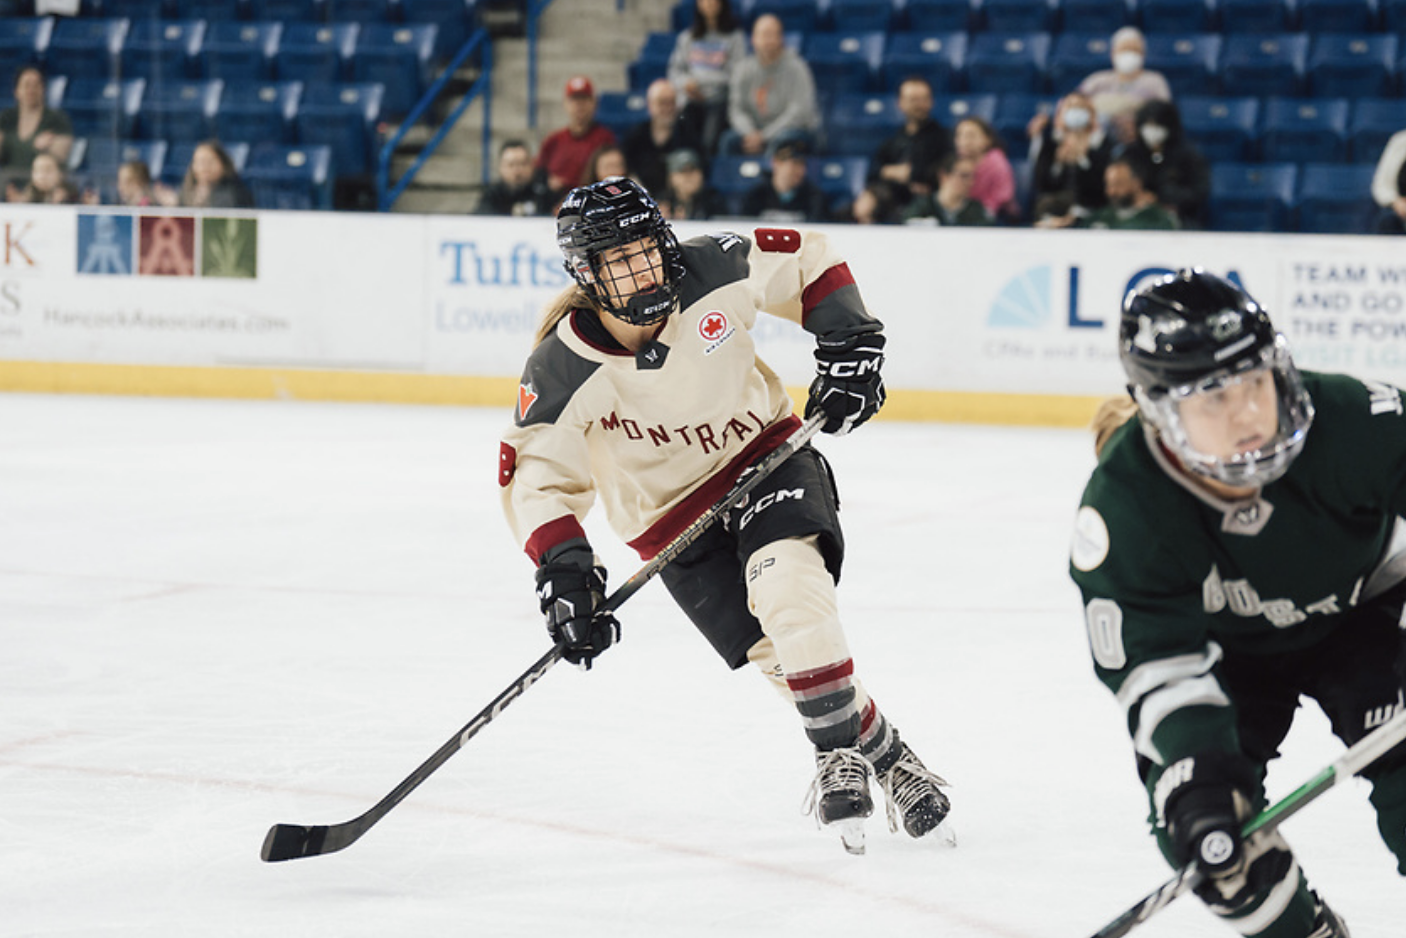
x,y
848,388
570,587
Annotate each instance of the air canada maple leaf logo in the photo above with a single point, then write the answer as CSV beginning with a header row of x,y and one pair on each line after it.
x,y
712,326
526,397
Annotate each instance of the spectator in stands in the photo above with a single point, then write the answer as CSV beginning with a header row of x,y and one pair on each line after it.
x,y
566,152
1131,204
772,96
908,161
688,195
606,162
788,195
49,183
952,202
134,186
517,191
1069,153
1118,92
31,127
1179,174
649,143
1389,185
994,183
874,205
701,66
211,181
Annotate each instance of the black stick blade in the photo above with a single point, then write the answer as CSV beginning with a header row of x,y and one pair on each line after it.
x,y
291,841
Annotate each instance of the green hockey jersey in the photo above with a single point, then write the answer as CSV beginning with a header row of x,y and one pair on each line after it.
x,y
1173,577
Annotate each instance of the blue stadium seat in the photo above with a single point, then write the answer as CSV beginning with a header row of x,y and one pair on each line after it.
x,y
1252,196
179,110
1263,65
103,107
859,15
1304,131
1259,17
844,62
86,47
102,156
1373,122
939,16
343,116
1001,63
1353,65
262,111
621,110
801,16
23,40
1225,129
399,56
287,11
1337,16
1175,17
1017,16
162,50
295,178
239,51
652,61
938,57
315,51
734,176
948,109
1013,114
1074,56
455,19
131,9
211,11
1336,199
841,178
1190,63
1096,16
365,12
856,124
1393,15
179,155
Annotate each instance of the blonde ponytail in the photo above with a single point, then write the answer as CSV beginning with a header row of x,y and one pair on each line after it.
x,y
1111,414
573,297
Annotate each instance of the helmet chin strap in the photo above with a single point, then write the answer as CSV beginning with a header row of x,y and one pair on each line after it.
x,y
645,309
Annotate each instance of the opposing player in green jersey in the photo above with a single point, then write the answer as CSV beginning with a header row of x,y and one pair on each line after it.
x,y
1233,549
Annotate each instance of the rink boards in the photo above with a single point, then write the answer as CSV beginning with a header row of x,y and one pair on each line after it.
x,y
985,325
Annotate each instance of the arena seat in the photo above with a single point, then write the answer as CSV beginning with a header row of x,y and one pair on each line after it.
x,y
1317,17
342,116
841,178
939,16
102,107
621,110
1225,129
399,56
179,110
86,47
1304,131
162,50
318,52
287,11
859,15
734,176
1190,63
801,16
844,62
1017,16
938,57
240,51
1352,65
1099,16
652,61
23,40
1073,56
856,124
262,111
365,12
950,108
1175,17
290,177
1255,17
1263,65
1336,198
1000,63
1373,122
1252,196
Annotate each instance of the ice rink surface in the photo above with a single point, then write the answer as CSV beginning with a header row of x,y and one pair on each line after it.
x,y
220,615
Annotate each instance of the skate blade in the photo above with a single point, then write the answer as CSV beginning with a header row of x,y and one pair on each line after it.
x,y
944,835
852,835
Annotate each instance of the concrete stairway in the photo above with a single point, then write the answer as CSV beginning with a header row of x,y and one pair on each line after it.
x,y
597,38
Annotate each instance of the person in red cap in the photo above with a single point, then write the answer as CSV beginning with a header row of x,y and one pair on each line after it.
x,y
566,152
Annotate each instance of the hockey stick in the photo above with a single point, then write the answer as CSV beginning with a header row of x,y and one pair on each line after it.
x,y
291,841
1358,757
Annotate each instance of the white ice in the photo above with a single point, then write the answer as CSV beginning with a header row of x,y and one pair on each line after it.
x,y
218,615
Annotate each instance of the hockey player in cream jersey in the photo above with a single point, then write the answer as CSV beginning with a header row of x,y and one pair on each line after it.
x,y
645,390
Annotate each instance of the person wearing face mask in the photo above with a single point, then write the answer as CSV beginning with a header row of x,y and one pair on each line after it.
x,y
1131,204
1179,174
1118,92
1069,154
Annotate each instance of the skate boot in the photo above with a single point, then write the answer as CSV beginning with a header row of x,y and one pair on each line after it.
x,y
914,796
1326,923
840,794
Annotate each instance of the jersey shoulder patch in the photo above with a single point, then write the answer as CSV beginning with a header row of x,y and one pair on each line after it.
x,y
553,374
1088,548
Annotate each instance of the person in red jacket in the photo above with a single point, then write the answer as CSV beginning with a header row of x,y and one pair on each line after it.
x,y
566,153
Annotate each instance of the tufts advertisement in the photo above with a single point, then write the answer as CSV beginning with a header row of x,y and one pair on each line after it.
x,y
986,311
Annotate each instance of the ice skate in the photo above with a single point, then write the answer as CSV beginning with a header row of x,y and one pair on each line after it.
x,y
839,794
915,798
1326,923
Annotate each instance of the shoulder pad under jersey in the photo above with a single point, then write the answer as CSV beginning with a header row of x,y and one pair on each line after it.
x,y
712,261
552,375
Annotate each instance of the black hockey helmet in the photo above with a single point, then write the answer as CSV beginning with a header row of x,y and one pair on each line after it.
x,y
610,214
1190,332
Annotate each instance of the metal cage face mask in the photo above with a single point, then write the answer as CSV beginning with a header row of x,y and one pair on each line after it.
x,y
632,282
1255,468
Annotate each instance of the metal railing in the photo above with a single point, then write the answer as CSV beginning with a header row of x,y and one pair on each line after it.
x,y
482,87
